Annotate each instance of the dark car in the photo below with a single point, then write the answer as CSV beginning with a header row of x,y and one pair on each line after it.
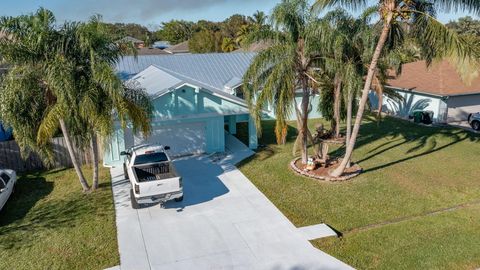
x,y
474,121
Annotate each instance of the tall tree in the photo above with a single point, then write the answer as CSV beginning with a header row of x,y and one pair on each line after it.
x,y
436,40
176,31
286,66
102,95
32,45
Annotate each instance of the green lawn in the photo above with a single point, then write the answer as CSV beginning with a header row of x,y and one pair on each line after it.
x,y
410,170
50,224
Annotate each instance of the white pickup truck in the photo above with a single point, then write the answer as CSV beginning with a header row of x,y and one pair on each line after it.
x,y
152,175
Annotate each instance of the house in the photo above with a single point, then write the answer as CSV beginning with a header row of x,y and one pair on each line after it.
x,y
151,51
196,98
438,88
190,99
136,42
179,48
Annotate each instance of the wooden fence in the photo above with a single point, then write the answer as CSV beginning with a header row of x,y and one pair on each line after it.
x,y
10,157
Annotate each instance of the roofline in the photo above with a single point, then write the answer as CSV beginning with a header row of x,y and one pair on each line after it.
x,y
414,91
431,94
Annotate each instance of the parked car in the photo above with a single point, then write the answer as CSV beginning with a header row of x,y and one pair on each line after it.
x,y
474,120
152,175
8,179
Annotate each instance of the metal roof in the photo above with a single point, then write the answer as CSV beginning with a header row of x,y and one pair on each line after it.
x,y
213,70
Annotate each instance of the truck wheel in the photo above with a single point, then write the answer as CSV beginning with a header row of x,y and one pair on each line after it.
x,y
135,204
476,125
125,174
179,199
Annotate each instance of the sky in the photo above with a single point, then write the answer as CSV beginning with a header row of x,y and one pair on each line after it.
x,y
151,12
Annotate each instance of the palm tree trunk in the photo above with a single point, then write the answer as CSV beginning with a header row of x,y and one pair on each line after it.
x,y
75,163
305,103
349,121
94,148
361,106
336,105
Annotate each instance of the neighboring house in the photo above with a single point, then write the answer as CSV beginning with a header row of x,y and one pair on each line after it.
x,y
180,48
196,97
151,51
254,47
136,42
438,88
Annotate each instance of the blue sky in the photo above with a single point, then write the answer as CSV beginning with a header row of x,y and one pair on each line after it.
x,y
149,12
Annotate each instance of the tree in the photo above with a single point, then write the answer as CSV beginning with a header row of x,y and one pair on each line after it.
x,y
176,31
39,74
102,95
206,41
287,65
466,26
258,19
228,45
231,26
68,71
436,41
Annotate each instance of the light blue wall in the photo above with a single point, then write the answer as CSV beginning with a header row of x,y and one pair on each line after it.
x,y
314,112
185,105
111,156
188,101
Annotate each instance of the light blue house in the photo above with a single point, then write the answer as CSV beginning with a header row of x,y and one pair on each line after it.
x,y
196,98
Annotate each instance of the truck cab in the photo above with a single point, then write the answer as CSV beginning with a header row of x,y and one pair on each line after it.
x,y
152,175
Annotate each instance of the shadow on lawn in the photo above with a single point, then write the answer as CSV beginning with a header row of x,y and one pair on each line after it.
x,y
26,214
29,189
424,140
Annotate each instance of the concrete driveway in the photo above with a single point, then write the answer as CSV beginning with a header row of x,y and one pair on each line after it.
x,y
224,222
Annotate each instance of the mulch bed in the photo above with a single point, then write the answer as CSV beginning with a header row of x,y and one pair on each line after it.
x,y
322,173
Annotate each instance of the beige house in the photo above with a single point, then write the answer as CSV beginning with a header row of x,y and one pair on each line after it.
x,y
438,88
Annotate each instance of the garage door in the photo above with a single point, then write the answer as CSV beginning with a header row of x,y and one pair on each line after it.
x,y
183,139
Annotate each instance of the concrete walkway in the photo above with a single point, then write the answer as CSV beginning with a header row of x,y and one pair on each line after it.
x,y
224,222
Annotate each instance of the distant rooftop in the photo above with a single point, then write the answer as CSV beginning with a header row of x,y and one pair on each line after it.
x,y
439,79
131,39
151,51
179,48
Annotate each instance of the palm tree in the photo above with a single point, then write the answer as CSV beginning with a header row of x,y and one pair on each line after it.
x,y
228,44
31,46
286,66
258,19
435,40
70,69
102,95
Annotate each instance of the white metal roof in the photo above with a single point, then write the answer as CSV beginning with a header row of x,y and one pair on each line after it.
x,y
212,70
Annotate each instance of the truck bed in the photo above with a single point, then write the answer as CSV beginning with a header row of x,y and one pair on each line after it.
x,y
155,172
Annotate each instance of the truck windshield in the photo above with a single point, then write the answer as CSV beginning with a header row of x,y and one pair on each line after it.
x,y
150,158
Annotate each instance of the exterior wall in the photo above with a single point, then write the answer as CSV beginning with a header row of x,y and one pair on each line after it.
x,y
187,101
411,102
459,107
314,111
181,107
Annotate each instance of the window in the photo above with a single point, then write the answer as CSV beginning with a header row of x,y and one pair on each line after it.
x,y
2,184
151,158
5,177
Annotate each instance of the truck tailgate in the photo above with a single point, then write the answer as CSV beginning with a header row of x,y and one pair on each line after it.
x,y
157,179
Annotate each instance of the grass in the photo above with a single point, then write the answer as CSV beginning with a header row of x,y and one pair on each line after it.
x,y
50,224
410,170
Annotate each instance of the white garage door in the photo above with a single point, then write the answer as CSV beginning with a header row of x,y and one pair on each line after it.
x,y
183,139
